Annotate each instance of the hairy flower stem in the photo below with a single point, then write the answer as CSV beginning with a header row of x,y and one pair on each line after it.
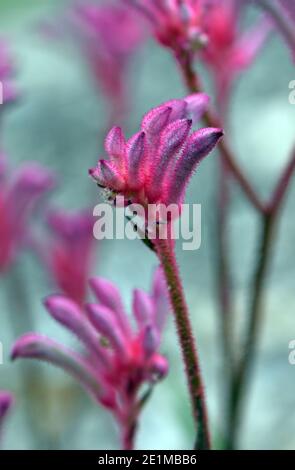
x,y
166,254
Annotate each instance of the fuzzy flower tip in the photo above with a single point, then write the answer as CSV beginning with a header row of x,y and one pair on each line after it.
x,y
6,402
155,165
19,196
118,358
70,251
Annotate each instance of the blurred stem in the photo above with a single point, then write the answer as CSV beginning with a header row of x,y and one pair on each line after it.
x,y
253,329
166,254
129,436
223,280
280,17
192,82
256,307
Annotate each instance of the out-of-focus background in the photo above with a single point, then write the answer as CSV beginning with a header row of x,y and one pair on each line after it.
x,y
60,120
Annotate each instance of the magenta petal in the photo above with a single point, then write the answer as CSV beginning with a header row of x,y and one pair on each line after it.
x,y
172,139
198,146
143,308
67,313
178,109
34,346
150,340
108,294
102,318
115,142
107,175
135,152
154,122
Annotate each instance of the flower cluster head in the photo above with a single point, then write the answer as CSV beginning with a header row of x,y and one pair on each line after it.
x,y
117,359
6,402
70,252
228,50
8,89
19,196
155,165
176,24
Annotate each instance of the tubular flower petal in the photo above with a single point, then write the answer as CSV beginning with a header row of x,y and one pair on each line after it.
x,y
198,146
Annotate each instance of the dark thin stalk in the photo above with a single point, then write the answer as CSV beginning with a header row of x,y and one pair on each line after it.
x,y
211,120
166,254
256,308
253,330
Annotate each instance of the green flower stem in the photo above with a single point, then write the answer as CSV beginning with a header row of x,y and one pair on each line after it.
x,y
166,254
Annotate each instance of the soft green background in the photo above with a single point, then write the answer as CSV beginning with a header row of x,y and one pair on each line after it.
x,y
60,122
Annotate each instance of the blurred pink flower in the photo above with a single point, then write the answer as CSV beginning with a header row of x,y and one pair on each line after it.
x,y
8,91
229,51
6,402
176,24
110,35
71,251
155,165
19,195
117,359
